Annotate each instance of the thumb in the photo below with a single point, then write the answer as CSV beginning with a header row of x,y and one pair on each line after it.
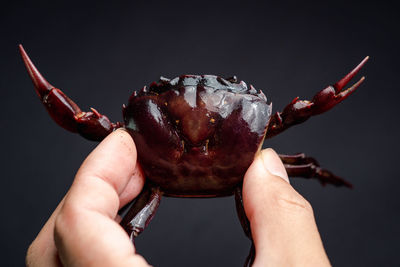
x,y
282,221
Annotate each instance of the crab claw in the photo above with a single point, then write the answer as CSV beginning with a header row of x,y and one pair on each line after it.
x,y
342,83
91,125
333,95
330,97
60,107
299,111
42,86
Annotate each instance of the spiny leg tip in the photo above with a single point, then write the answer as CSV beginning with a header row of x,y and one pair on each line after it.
x,y
343,182
338,182
347,184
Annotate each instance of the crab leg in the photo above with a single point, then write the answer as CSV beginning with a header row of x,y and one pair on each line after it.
x,y
142,211
301,166
299,111
245,225
91,125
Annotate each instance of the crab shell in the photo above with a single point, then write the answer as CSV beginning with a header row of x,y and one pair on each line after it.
x,y
197,135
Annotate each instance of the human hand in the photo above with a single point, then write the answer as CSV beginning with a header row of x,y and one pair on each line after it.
x,y
281,220
84,229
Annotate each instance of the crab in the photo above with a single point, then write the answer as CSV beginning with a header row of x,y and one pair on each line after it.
x,y
196,135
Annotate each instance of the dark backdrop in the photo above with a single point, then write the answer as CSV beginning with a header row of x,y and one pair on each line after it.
x,y
98,53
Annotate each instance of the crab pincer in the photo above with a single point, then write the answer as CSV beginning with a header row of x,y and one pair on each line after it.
x,y
333,95
299,111
91,125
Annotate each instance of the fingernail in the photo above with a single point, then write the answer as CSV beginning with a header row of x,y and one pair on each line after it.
x,y
273,164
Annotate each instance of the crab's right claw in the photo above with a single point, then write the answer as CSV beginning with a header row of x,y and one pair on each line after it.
x,y
299,111
333,95
342,83
91,125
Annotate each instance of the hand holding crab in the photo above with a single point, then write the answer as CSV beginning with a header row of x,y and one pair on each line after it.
x,y
85,224
196,135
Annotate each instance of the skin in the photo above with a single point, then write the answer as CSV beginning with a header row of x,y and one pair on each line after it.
x,y
282,221
84,229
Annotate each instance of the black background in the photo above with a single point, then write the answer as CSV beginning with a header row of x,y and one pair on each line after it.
x,y
98,53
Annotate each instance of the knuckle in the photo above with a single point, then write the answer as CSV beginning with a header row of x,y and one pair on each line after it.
x,y
66,219
291,201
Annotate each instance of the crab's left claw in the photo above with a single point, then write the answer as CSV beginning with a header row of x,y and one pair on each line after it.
x,y
299,111
91,125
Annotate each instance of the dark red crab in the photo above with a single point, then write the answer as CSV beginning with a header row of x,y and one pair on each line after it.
x,y
196,135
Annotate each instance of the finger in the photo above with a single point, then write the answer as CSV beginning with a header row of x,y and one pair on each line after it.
x,y
133,187
282,221
42,251
85,230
